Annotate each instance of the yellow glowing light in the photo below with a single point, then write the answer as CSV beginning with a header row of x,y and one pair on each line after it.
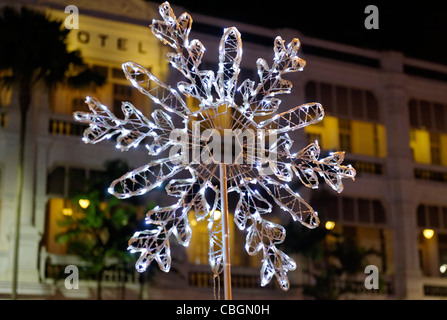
x,y
67,211
217,215
329,225
193,222
84,203
428,233
443,268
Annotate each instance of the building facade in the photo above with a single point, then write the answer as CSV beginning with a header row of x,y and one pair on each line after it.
x,y
387,111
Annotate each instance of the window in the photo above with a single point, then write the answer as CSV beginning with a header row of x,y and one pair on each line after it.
x,y
5,91
364,207
435,148
357,102
199,246
332,208
5,96
378,212
121,93
56,181
56,209
442,246
198,249
353,136
102,70
64,181
76,181
3,119
344,102
326,96
413,113
344,129
428,115
432,216
77,104
428,147
362,219
421,219
425,114
117,73
440,112
311,91
372,107
350,210
351,123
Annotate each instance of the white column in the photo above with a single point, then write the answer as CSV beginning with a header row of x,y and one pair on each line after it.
x,y
401,183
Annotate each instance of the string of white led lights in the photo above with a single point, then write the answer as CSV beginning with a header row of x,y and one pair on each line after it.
x,y
264,161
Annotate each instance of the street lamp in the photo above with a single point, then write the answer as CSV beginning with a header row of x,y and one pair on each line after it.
x,y
329,225
428,233
84,203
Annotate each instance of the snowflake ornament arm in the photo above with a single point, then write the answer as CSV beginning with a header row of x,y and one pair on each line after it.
x,y
104,124
259,180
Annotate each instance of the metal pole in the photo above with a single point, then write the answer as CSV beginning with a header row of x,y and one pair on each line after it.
x,y
225,232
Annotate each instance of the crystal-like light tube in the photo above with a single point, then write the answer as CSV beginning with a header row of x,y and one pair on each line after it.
x,y
225,232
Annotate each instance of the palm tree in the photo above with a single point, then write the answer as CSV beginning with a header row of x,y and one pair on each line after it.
x,y
33,48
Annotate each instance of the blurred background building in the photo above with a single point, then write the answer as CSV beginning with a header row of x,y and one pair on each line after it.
x,y
386,110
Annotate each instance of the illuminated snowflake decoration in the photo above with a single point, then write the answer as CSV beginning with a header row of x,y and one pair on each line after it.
x,y
258,171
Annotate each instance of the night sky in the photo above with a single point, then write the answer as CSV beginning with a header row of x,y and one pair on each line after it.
x,y
417,28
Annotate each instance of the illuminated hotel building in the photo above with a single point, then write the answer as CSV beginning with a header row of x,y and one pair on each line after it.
x,y
387,111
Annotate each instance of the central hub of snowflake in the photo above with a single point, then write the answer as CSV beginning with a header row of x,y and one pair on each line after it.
x,y
257,152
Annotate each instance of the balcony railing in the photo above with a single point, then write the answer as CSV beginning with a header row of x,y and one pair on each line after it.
x,y
365,164
193,277
435,287
430,174
204,279
358,288
65,127
54,269
368,167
